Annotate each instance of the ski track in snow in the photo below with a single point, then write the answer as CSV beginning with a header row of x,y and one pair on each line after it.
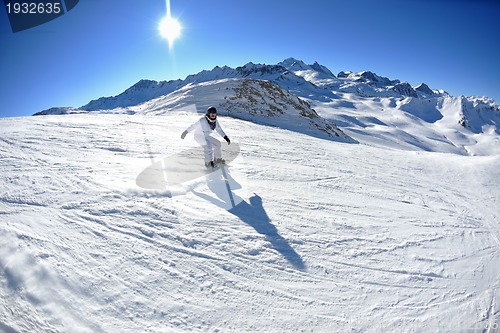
x,y
342,237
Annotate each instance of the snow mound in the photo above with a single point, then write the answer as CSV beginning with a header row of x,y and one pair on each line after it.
x,y
266,103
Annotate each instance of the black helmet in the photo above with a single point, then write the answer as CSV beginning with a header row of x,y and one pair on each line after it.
x,y
211,109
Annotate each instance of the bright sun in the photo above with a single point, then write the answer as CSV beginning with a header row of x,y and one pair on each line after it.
x,y
170,29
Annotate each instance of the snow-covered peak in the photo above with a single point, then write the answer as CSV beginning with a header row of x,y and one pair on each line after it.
x,y
315,73
480,114
208,75
140,92
424,89
294,64
260,71
372,78
321,69
405,89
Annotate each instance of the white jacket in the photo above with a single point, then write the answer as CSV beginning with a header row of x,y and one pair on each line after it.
x,y
201,129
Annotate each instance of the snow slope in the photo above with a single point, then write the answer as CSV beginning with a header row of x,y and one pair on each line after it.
x,y
414,124
259,101
321,236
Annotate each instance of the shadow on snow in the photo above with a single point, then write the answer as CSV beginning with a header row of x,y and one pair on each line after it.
x,y
252,213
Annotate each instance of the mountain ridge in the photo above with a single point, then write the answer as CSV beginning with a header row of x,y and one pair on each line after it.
x,y
357,102
146,89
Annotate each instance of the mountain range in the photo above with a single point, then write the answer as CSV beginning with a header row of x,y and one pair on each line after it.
x,y
350,106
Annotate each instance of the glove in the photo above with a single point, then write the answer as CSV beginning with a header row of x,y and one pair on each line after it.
x,y
227,139
183,135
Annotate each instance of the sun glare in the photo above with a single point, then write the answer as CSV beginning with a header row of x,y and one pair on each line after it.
x,y
170,29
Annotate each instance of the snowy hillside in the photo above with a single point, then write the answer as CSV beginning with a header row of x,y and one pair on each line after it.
x,y
370,108
258,101
306,235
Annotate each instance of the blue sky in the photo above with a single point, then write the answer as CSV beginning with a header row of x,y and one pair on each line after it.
x,y
102,47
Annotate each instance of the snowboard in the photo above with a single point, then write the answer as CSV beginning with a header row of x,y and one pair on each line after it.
x,y
182,167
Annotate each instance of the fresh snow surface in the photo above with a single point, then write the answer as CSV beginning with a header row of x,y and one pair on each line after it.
x,y
320,236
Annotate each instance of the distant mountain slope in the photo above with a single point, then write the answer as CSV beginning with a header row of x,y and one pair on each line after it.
x,y
373,109
259,101
275,106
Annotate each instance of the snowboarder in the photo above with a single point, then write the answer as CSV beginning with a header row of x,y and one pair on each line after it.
x,y
202,130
